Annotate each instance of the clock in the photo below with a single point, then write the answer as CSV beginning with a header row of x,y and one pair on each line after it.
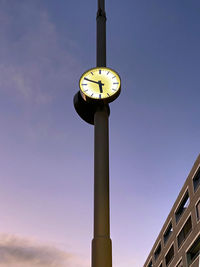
x,y
100,85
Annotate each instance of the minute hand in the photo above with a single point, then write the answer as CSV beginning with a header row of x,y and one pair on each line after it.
x,y
91,80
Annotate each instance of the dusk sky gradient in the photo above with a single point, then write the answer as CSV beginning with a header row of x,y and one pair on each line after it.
x,y
46,150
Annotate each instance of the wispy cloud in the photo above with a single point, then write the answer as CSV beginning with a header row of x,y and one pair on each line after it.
x,y
38,69
20,252
34,63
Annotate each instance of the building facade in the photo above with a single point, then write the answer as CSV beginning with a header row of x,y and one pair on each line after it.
x,y
178,244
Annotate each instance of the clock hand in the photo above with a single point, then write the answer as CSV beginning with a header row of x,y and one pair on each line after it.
x,y
90,80
99,83
100,86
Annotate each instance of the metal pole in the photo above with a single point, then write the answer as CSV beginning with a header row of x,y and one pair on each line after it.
x,y
101,34
101,243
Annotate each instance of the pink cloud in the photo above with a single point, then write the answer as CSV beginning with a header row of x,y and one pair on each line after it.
x,y
17,251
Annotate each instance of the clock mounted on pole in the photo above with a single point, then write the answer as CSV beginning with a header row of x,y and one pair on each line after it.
x,y
98,87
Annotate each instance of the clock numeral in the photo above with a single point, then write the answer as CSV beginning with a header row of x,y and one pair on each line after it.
x,y
92,94
108,72
99,71
108,94
84,84
115,83
113,77
92,73
114,89
86,90
99,96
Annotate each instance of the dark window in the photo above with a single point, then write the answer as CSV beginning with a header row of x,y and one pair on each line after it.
x,y
182,207
157,252
170,255
194,251
168,232
198,210
185,231
150,264
196,180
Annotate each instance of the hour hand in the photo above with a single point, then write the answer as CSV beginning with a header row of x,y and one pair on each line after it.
x,y
100,86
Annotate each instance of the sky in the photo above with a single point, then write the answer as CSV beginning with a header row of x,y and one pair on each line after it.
x,y
46,150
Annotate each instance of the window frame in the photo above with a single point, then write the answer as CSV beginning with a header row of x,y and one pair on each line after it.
x,y
180,203
189,247
197,215
158,244
197,169
151,261
172,244
165,242
179,261
190,215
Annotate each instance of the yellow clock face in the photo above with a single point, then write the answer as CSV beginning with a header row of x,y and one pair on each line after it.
x,y
100,84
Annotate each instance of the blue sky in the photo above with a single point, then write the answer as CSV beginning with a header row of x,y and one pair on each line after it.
x,y
46,151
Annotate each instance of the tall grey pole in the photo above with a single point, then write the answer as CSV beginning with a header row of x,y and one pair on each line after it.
x,y
101,243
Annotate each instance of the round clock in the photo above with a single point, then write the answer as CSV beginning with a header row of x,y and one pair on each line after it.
x,y
100,84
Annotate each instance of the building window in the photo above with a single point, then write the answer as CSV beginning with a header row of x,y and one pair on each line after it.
x,y
194,251
168,232
180,264
182,207
169,256
157,252
198,210
184,232
196,180
150,264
